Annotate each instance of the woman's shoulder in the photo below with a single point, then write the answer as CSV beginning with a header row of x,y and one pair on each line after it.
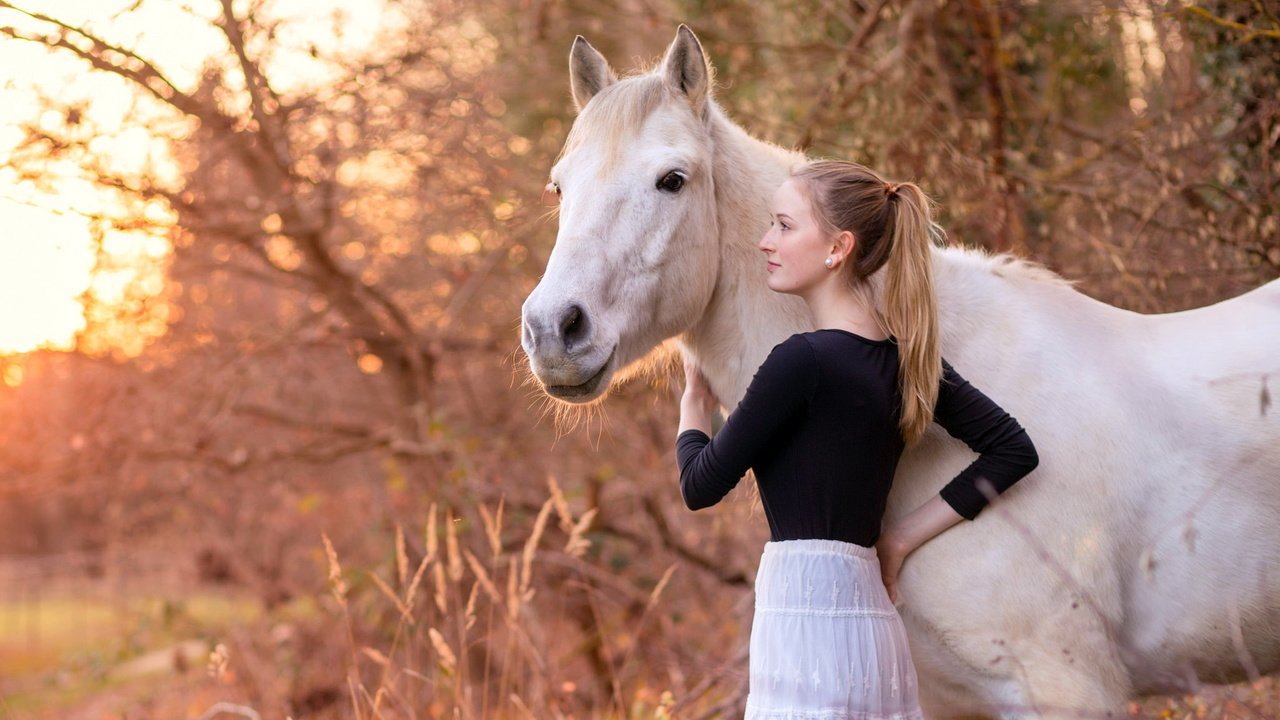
x,y
791,363
794,344
795,351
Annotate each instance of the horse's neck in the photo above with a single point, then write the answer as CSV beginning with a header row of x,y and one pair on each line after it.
x,y
744,318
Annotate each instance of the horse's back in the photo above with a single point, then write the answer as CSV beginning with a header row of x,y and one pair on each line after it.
x,y
1218,343
1215,373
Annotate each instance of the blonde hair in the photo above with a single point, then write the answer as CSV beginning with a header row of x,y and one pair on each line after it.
x,y
892,227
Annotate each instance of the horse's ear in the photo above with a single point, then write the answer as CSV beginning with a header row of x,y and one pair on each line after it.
x,y
685,69
589,72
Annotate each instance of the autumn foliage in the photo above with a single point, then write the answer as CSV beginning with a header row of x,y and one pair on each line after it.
x,y
301,400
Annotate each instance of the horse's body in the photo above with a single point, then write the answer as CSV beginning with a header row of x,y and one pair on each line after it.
x,y
1139,556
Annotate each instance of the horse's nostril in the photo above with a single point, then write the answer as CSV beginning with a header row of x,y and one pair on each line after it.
x,y
573,326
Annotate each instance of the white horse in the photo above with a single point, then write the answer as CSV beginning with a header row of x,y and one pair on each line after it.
x,y
1140,557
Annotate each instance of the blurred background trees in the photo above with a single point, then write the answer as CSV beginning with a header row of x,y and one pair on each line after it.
x,y
310,238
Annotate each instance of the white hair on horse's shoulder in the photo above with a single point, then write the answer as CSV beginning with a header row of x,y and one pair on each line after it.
x,y
1006,265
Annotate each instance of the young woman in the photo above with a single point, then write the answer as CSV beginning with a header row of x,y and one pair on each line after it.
x,y
823,423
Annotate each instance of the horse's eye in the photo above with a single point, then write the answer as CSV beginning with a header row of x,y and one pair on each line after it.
x,y
551,194
671,182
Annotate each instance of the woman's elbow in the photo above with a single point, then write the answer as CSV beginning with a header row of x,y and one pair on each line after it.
x,y
695,505
692,498
696,502
1031,458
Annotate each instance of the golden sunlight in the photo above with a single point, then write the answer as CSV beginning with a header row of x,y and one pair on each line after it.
x,y
45,264
47,256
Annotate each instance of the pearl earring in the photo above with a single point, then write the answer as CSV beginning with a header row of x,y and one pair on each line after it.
x,y
830,261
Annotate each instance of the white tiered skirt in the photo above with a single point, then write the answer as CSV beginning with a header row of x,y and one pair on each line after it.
x,y
826,642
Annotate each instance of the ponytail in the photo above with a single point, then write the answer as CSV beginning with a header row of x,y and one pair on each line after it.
x,y
911,307
892,223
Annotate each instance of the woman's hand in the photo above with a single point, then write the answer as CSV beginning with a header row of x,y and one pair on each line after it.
x,y
696,389
891,551
908,533
698,404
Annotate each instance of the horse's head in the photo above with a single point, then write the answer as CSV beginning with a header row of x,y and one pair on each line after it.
x,y
635,257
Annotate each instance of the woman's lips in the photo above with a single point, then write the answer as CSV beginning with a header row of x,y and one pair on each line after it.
x,y
772,266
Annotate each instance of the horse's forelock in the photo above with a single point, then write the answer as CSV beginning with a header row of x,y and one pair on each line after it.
x,y
616,114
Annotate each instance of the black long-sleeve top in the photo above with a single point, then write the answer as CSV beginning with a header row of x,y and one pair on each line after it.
x,y
819,425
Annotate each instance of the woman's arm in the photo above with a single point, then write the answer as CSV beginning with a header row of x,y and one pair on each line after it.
x,y
698,404
909,533
777,396
1006,455
1005,452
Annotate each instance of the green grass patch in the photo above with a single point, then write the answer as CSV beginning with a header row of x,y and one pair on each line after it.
x,y
57,651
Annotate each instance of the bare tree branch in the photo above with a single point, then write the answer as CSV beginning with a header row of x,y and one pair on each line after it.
x,y
834,87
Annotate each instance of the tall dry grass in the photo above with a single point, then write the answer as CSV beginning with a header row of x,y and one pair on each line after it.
x,y
467,638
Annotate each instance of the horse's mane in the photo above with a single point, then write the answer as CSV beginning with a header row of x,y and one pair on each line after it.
x,y
1005,265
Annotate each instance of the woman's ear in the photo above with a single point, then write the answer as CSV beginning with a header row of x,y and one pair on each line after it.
x,y
844,244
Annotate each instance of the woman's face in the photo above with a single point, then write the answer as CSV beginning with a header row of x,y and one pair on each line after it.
x,y
795,246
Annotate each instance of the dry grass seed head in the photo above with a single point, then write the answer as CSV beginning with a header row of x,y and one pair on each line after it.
x,y
402,558
531,547
375,656
470,611
441,594
336,584
493,526
522,707
578,545
482,576
657,589
391,595
513,591
451,547
432,539
561,505
417,581
448,661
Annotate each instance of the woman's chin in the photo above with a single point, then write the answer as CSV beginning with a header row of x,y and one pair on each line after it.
x,y
779,287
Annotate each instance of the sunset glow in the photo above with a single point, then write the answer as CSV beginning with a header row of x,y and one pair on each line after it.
x,y
45,263
46,246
